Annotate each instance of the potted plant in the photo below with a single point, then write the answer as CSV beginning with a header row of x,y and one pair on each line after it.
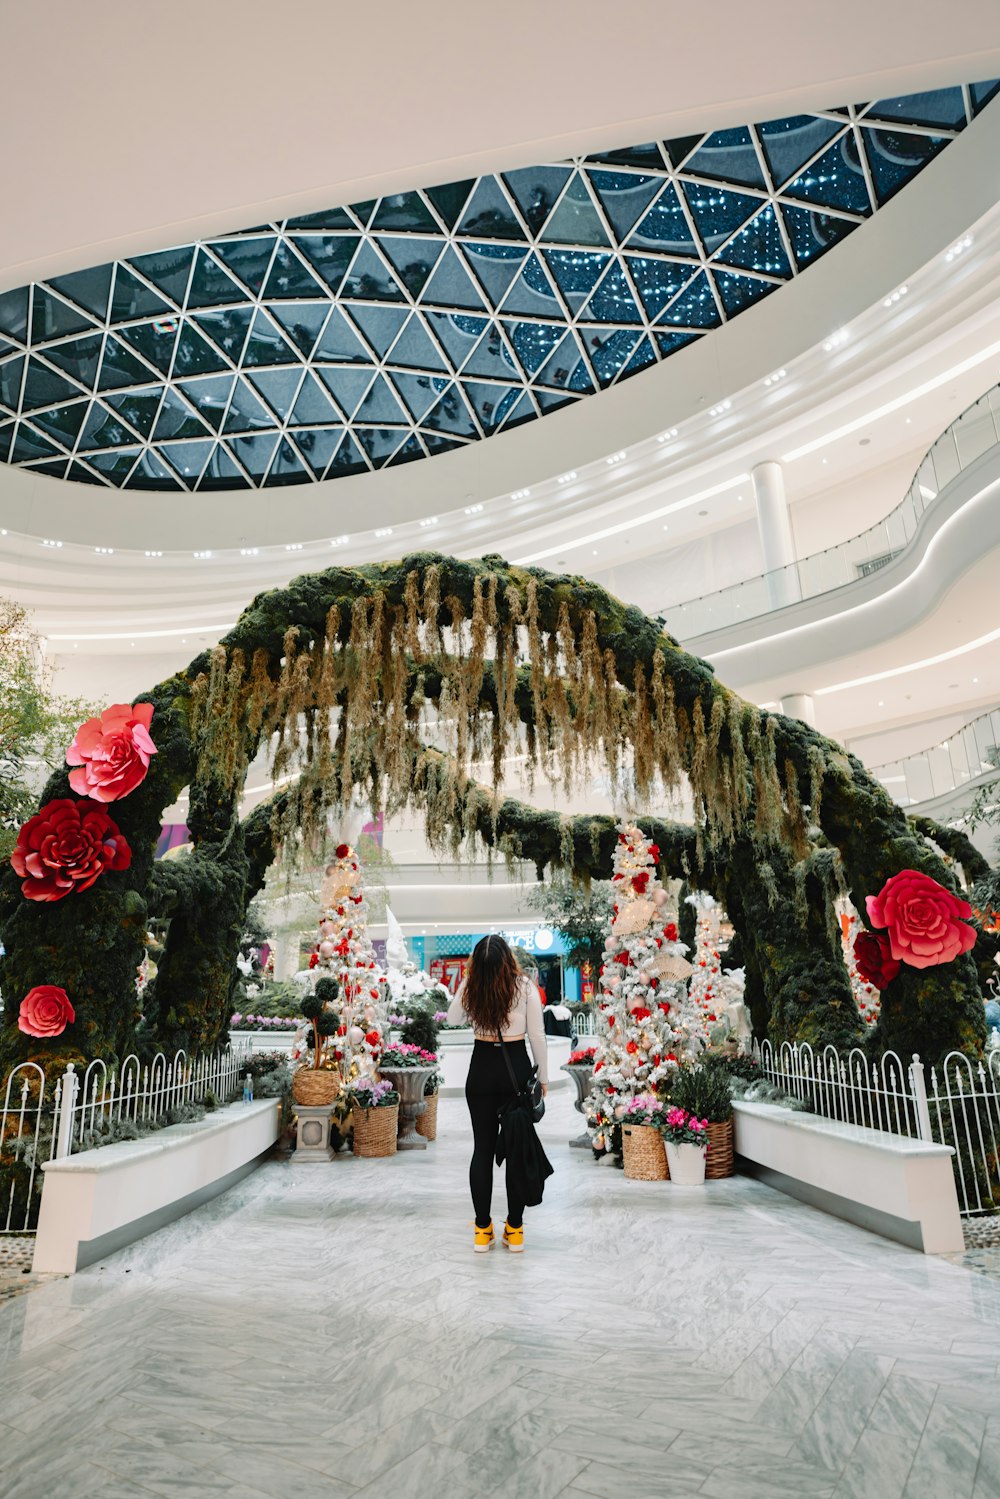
x,y
686,1140
375,1116
317,1084
427,1121
408,1068
705,1092
643,1120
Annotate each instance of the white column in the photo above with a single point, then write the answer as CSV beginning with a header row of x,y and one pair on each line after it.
x,y
774,527
799,705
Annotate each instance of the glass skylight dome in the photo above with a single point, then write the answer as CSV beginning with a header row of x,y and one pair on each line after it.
x,y
401,327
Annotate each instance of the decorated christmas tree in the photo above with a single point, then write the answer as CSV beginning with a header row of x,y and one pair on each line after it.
x,y
867,998
706,987
647,1025
345,952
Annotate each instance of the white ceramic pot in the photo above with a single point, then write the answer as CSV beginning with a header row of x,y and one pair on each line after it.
x,y
687,1164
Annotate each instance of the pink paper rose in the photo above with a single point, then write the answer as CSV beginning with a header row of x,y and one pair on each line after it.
x,y
113,752
66,846
927,925
45,1011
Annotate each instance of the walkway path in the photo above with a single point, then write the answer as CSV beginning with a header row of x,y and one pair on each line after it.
x,y
325,1332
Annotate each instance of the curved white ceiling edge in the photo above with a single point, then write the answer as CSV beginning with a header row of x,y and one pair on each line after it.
x,y
217,116
952,193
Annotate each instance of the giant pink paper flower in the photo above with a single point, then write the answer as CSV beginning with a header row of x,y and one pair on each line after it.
x,y
113,752
66,846
927,925
45,1011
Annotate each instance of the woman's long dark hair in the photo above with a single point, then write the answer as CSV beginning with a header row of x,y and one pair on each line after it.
x,y
490,985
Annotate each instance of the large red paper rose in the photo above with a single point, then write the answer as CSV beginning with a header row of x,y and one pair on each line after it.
x,y
66,846
926,924
873,959
45,1011
113,752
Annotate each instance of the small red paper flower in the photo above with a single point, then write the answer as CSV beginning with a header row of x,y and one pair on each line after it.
x,y
641,1013
670,931
66,846
313,959
632,1048
45,1011
342,850
373,1038
113,752
640,881
874,960
654,852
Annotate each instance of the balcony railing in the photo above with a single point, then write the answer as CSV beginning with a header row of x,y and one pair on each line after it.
x,y
963,758
972,434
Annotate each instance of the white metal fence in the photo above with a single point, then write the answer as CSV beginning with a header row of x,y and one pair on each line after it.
x,y
42,1121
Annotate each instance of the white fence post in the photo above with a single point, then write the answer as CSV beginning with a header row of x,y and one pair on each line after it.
x,y
918,1089
67,1108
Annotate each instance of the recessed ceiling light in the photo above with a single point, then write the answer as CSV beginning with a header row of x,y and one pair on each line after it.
x,y
975,679
473,509
881,702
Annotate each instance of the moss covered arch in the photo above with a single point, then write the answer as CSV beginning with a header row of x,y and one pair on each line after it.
x,y
347,675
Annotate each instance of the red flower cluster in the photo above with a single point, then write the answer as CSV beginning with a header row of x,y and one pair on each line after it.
x,y
874,960
373,1038
66,846
670,931
640,881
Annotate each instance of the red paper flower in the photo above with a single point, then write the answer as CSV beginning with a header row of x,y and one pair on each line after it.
x,y
641,1013
640,881
664,1007
373,1038
670,931
342,850
632,1048
45,1011
874,961
654,852
927,925
66,846
313,959
113,752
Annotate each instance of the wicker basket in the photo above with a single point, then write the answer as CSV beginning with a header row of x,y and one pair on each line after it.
x,y
314,1088
427,1122
643,1153
375,1130
719,1161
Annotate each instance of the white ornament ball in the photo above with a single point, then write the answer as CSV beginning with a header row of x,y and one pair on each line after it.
x,y
659,897
327,949
355,1035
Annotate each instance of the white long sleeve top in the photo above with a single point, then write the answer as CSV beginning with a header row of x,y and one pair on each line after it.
x,y
524,1019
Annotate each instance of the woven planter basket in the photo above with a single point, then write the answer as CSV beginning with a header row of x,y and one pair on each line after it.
x,y
314,1088
427,1122
375,1130
719,1161
643,1153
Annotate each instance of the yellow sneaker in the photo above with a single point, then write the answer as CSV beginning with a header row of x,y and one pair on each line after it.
x,y
484,1240
514,1238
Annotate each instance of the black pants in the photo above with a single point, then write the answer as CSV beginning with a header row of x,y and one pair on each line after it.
x,y
487,1087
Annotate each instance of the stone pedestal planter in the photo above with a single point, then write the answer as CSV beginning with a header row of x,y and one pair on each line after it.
x,y
409,1084
687,1164
583,1077
312,1132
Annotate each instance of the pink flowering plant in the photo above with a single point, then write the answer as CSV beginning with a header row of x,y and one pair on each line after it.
x,y
682,1128
644,1108
402,1054
240,1022
369,1094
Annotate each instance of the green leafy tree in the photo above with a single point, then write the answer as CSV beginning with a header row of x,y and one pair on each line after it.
x,y
580,914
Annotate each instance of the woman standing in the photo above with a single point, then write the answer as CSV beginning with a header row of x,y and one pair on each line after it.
x,y
497,1000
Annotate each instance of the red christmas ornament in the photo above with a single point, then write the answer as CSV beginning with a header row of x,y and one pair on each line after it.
x,y
342,850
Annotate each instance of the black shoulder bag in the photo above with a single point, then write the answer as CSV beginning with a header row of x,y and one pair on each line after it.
x,y
530,1096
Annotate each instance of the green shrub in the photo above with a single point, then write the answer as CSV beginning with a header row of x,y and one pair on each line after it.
x,y
703,1092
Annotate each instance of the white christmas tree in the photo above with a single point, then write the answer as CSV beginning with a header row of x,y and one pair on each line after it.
x,y
866,996
706,988
346,954
647,1026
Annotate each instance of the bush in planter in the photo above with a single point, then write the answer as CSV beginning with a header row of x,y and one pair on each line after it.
x,y
703,1092
421,1029
366,1093
401,1054
325,1023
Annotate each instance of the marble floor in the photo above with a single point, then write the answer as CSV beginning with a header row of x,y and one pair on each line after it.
x,y
325,1331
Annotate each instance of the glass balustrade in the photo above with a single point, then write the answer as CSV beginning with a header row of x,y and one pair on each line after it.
x,y
968,438
962,758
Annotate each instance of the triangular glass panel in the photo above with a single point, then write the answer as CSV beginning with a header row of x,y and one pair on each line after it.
x,y
488,214
255,453
380,404
51,317
347,386
188,458
669,343
6,347
522,410
494,267
14,313
155,341
138,408
410,450
576,220
419,392
533,343
227,329
642,355
576,273
370,279
29,444
895,158
658,281
439,442
246,411
758,246
103,430
645,156
451,285
613,353
490,402
552,400
492,358
134,299
791,142
313,407
64,422
536,191
79,473
318,447
248,259
728,156
363,211
152,473
55,468
88,289
266,345
177,419
942,108
718,212
531,294
812,232
565,367
221,472
982,93
380,443
119,367
79,358
330,218
287,467
210,396
681,147
835,180
449,200
289,277
665,227
115,467
43,387
612,302
348,459
169,270
10,382
380,325
302,322
740,292
695,307
404,211
279,389
457,333
625,196
194,354
340,343
211,286
412,260
415,349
